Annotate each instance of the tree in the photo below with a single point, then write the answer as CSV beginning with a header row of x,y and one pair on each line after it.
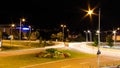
x,y
109,40
53,36
40,40
34,35
60,35
95,41
37,34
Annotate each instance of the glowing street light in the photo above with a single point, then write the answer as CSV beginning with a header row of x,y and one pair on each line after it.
x,y
12,25
21,20
63,26
11,34
90,12
118,28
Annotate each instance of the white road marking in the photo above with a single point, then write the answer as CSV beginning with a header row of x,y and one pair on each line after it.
x,y
67,66
84,63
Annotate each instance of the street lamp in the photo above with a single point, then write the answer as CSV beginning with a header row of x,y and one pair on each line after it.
x,y
63,26
68,32
12,25
114,32
118,28
11,34
21,20
86,36
90,35
98,52
29,32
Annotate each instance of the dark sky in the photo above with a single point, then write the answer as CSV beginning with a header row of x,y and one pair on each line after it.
x,y
49,14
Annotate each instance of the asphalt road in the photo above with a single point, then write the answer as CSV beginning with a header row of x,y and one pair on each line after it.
x,y
75,63
107,57
104,59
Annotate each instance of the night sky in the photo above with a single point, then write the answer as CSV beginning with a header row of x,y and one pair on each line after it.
x,y
50,14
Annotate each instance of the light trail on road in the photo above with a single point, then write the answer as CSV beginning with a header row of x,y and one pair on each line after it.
x,y
83,47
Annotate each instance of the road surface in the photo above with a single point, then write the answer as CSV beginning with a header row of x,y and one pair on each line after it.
x,y
108,57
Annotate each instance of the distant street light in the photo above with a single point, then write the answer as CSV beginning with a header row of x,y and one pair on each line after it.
x,y
90,35
68,32
21,20
11,34
63,26
12,25
118,28
86,35
114,32
29,32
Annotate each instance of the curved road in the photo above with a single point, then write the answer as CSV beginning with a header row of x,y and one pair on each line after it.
x,y
108,56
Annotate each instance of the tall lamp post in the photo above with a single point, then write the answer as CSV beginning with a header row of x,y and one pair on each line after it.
x,y
98,52
63,26
114,32
21,20
86,36
90,35
29,32
11,32
12,25
68,32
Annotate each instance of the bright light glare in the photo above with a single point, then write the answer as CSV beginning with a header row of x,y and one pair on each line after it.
x,y
89,12
13,25
23,19
98,31
24,28
114,31
63,25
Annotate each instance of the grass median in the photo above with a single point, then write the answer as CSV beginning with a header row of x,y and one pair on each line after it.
x,y
23,44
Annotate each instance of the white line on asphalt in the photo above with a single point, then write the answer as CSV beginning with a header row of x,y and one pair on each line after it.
x,y
67,66
84,63
46,63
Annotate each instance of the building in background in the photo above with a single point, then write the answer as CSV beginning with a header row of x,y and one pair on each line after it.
x,y
116,36
7,30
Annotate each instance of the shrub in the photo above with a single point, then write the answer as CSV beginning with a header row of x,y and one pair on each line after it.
x,y
95,41
109,40
53,53
51,50
40,54
47,55
67,55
